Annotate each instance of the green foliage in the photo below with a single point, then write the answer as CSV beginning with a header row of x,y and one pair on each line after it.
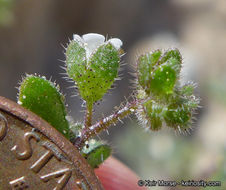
x,y
164,79
93,76
178,116
145,67
43,98
180,108
157,73
93,65
96,152
153,115
162,98
173,54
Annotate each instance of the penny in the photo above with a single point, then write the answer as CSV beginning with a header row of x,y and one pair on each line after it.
x,y
34,155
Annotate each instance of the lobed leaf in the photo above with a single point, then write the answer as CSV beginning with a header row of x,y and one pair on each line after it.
x,y
95,76
157,73
162,98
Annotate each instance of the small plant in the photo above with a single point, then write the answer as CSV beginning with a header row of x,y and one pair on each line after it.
x,y
93,63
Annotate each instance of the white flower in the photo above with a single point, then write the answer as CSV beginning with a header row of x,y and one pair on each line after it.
x,y
92,41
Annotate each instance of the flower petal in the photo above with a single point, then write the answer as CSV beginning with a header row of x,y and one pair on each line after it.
x,y
117,43
76,37
92,41
93,38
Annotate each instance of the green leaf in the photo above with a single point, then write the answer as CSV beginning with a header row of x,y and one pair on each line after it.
x,y
94,76
172,54
158,74
153,115
96,152
162,98
164,78
44,99
181,107
145,66
187,89
178,116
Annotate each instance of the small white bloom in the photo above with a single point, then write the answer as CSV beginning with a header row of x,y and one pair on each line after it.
x,y
92,41
117,43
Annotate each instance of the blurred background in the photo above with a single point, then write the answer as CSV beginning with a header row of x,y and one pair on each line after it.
x,y
32,36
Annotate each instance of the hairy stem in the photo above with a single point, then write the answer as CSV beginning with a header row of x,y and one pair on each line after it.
x,y
103,124
88,116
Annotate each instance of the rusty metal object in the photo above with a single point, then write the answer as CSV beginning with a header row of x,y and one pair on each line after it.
x,y
33,155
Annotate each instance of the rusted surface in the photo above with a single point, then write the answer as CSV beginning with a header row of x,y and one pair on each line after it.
x,y
33,155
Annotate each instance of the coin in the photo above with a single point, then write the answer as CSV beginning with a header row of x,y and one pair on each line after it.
x,y
34,155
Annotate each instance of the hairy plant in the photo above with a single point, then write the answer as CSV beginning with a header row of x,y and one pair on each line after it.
x,y
93,63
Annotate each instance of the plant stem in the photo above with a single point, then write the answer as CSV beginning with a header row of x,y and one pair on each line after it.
x,y
88,116
103,124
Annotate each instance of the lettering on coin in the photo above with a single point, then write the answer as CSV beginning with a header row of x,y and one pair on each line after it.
x,y
50,146
19,184
34,156
65,173
3,127
38,165
28,150
44,159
